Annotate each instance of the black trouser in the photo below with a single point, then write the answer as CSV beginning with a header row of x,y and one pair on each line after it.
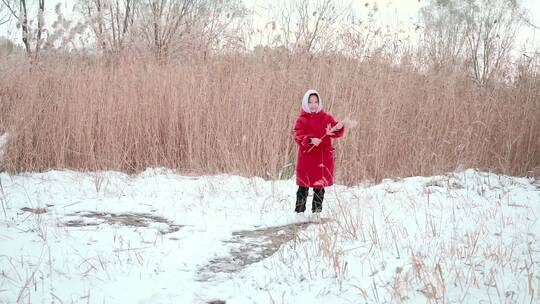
x,y
301,198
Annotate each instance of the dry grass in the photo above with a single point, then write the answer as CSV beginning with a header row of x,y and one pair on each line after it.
x,y
234,114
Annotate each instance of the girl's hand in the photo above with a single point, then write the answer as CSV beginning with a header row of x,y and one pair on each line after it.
x,y
329,130
338,126
316,141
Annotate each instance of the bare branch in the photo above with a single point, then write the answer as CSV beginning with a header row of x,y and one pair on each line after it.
x,y
528,21
10,8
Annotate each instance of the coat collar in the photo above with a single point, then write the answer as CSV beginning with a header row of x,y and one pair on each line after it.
x,y
312,115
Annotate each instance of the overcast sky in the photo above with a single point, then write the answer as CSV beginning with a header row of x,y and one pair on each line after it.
x,y
404,12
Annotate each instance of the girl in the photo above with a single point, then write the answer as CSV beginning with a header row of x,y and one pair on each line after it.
x,y
313,132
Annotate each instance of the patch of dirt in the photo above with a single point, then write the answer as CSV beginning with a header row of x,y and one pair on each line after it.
x,y
124,219
444,183
253,246
34,210
79,223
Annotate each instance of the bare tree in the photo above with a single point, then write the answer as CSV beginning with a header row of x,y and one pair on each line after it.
x,y
308,26
162,27
363,37
480,32
169,26
444,34
162,22
21,12
219,24
111,21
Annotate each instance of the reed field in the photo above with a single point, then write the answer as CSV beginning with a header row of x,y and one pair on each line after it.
x,y
234,114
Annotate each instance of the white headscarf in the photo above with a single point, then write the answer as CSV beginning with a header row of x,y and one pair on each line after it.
x,y
305,101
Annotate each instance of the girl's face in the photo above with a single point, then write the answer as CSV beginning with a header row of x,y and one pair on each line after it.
x,y
313,103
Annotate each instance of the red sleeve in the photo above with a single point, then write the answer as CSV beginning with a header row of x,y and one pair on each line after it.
x,y
339,132
301,135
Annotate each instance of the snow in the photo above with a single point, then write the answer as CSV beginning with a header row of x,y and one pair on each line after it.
x,y
3,140
464,237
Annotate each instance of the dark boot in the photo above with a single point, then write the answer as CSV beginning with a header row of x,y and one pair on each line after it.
x,y
318,197
301,198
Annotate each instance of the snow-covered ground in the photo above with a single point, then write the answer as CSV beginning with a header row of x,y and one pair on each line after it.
x,y
156,237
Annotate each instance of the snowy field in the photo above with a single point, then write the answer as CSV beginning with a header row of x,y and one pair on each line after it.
x,y
159,237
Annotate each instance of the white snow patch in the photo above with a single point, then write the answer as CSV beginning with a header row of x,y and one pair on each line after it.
x,y
3,141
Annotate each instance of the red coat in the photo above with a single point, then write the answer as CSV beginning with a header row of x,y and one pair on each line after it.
x,y
315,169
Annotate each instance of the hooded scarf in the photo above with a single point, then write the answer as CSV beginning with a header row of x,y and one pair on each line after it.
x,y
305,101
